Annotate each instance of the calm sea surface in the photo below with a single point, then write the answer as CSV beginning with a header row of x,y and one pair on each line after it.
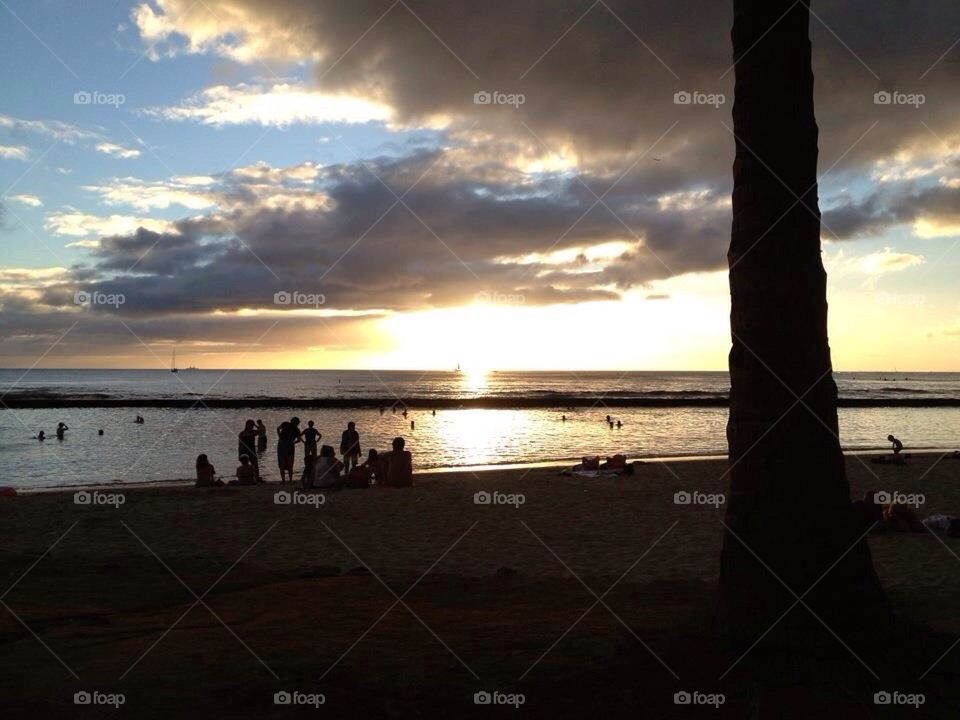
x,y
166,446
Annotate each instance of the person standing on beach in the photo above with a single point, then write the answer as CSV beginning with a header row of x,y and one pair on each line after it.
x,y
288,435
261,436
350,446
310,437
246,445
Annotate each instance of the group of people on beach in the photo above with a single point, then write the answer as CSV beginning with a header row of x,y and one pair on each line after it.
x,y
321,467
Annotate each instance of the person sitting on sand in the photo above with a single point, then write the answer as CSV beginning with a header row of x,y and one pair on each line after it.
x,y
206,474
350,446
871,513
261,436
950,524
247,445
897,445
310,437
246,472
327,469
61,430
900,518
398,466
868,512
617,462
361,477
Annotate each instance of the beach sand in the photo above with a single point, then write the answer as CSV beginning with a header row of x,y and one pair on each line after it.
x,y
491,597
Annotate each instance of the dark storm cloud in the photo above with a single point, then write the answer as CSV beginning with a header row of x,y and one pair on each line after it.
x,y
895,206
601,94
602,76
454,236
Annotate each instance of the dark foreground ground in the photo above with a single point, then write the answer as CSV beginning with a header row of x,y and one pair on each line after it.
x,y
592,597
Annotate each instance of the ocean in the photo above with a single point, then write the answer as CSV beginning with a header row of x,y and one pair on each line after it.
x,y
166,445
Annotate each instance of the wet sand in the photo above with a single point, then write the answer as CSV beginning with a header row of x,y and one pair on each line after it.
x,y
491,596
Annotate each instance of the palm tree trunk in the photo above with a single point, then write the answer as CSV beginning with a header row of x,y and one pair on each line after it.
x,y
789,501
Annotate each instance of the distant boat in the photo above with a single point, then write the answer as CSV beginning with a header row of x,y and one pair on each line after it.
x,y
173,362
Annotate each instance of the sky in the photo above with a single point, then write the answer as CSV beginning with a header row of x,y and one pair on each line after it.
x,y
404,184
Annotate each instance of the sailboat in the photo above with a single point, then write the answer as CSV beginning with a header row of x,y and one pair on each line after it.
x,y
173,362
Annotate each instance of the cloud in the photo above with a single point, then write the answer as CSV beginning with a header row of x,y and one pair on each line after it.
x,y
24,199
14,152
888,261
52,129
151,195
74,223
108,148
278,105
59,132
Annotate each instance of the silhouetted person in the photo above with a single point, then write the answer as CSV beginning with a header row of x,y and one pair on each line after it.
x,y
61,430
360,477
206,473
246,473
398,466
261,436
288,435
100,431
41,436
326,470
350,446
413,424
247,445
310,437
619,424
897,445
